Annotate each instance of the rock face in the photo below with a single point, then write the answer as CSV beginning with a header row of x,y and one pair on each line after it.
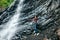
x,y
48,12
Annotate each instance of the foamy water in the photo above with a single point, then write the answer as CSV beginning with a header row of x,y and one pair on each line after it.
x,y
10,28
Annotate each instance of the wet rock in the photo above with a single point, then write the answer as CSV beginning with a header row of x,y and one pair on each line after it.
x,y
48,12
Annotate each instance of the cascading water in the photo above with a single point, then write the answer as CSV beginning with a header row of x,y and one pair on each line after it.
x,y
10,28
15,20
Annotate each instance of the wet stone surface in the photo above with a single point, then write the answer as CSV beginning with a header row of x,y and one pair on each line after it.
x,y
48,12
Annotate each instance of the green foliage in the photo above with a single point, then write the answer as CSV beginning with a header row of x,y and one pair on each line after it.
x,y
5,3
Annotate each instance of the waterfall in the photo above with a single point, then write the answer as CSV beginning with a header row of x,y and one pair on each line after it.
x,y
15,20
10,28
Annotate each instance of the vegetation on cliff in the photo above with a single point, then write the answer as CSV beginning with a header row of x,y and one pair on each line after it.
x,y
5,3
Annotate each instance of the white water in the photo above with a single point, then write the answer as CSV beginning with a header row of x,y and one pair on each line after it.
x,y
10,28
